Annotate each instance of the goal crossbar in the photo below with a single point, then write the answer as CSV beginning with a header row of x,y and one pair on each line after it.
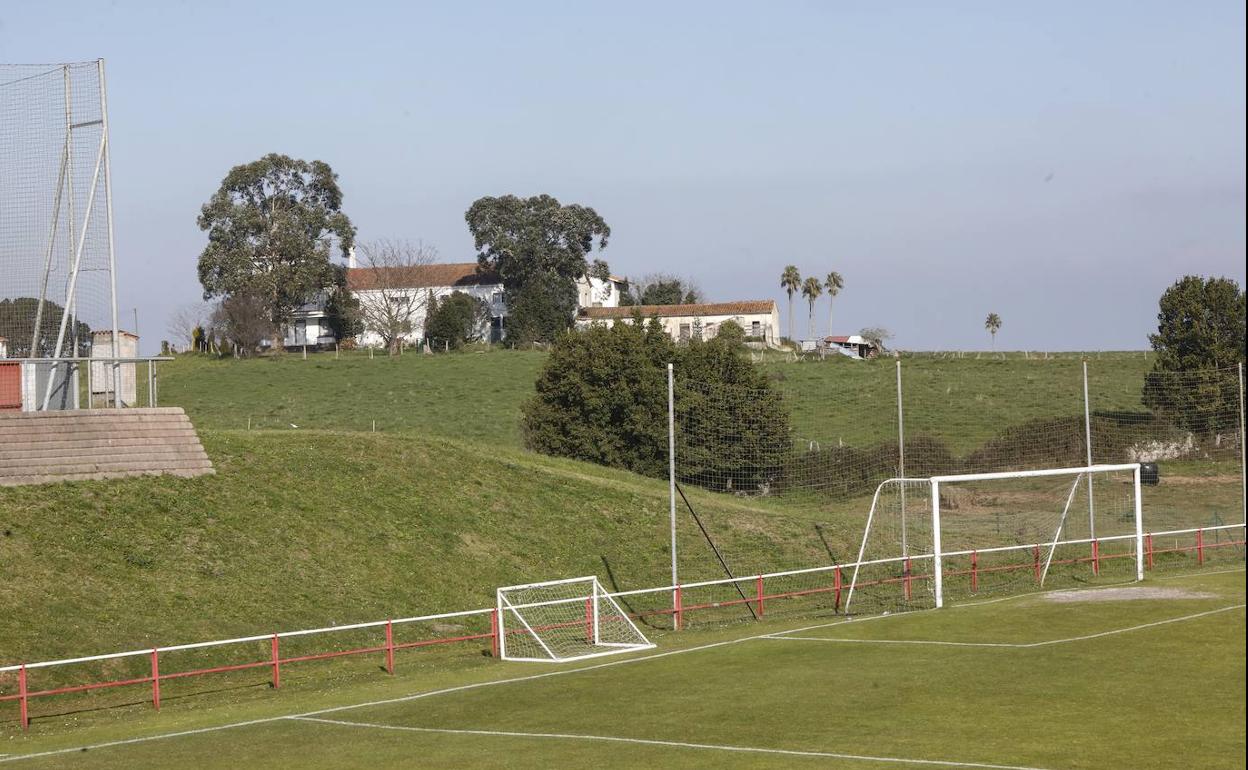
x,y
921,513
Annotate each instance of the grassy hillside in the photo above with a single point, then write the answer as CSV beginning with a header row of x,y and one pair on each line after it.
x,y
964,401
310,528
477,396
474,396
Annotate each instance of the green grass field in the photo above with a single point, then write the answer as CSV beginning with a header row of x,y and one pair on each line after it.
x,y
1027,682
330,523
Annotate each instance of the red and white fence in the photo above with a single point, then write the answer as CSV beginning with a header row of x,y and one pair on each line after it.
x,y
757,593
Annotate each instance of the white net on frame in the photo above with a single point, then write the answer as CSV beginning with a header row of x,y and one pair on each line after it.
x,y
1020,532
563,620
55,252
893,571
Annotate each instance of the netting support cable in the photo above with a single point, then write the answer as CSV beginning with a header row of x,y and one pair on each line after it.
x,y
1061,524
718,555
73,274
56,213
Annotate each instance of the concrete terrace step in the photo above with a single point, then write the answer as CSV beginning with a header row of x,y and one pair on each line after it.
x,y
140,465
115,424
41,457
15,481
19,450
44,447
121,431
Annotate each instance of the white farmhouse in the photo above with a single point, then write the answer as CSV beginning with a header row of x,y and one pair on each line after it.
x,y
759,318
410,288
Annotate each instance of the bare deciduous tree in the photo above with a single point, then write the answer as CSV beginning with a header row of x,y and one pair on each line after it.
x,y
390,306
244,318
184,320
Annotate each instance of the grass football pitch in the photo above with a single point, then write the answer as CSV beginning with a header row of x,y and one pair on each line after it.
x,y
1139,676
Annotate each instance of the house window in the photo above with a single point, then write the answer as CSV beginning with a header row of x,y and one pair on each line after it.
x,y
756,329
684,331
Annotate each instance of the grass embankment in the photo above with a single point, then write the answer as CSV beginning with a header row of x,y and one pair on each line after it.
x,y
309,528
473,395
962,401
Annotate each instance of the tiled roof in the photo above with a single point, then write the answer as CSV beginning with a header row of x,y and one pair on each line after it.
x,y
460,274
747,307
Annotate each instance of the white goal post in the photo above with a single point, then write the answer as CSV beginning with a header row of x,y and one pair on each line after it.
x,y
1005,529
563,620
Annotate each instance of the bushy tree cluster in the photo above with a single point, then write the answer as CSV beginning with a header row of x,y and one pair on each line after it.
x,y
1200,328
539,248
17,319
271,226
661,289
456,319
602,397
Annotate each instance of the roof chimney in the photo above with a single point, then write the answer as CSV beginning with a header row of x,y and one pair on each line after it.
x,y
351,263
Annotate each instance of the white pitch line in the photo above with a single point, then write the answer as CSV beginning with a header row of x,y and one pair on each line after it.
x,y
1199,574
671,744
449,690
784,636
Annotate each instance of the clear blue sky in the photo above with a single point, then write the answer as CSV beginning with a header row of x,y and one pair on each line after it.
x,y
1058,163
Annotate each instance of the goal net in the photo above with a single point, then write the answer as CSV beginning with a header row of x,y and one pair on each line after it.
x,y
563,620
56,248
950,537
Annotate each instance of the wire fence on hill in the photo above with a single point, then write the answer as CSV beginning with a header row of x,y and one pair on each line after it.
x,y
818,470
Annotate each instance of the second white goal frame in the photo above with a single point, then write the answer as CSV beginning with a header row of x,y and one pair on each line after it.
x,y
938,555
536,622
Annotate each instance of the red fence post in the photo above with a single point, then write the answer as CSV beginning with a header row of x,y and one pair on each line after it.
x,y
21,697
974,572
389,647
759,590
494,632
1035,560
1148,548
589,622
1096,557
906,580
836,589
277,663
678,609
155,679
1200,546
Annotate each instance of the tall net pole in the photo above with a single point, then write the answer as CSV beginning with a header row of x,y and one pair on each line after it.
x,y
901,458
1243,470
112,258
671,473
1087,440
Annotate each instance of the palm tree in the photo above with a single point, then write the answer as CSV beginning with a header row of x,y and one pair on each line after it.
x,y
811,289
791,282
993,325
834,283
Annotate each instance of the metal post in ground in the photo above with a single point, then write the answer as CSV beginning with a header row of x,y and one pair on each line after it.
x,y
901,460
1087,437
671,476
106,152
1243,476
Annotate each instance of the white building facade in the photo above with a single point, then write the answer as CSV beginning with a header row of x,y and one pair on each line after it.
x,y
405,293
760,319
